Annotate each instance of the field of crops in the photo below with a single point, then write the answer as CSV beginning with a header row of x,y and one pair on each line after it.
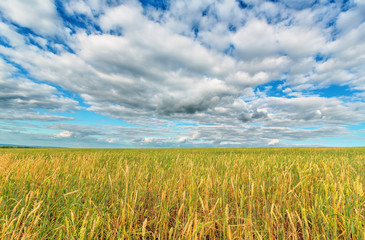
x,y
307,193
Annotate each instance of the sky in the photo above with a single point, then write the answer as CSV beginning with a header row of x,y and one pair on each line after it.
x,y
182,73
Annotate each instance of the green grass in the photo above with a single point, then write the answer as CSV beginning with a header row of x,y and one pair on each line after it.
x,y
314,193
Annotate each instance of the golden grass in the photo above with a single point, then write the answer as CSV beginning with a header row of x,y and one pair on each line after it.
x,y
312,193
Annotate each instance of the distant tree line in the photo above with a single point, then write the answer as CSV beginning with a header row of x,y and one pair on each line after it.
x,y
14,147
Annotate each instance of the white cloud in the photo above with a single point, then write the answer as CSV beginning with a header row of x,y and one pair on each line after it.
x,y
39,15
150,139
13,38
273,142
20,97
306,111
32,116
112,140
186,139
182,139
64,134
74,7
352,18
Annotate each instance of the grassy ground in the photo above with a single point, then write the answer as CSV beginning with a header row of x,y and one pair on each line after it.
x,y
182,194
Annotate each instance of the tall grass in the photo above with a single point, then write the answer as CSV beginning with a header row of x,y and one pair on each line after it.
x,y
182,194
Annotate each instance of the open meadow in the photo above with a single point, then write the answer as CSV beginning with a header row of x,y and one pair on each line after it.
x,y
297,193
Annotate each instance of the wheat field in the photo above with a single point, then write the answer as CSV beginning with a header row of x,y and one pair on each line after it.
x,y
294,193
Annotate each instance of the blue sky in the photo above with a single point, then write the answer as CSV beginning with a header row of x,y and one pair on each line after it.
x,y
229,73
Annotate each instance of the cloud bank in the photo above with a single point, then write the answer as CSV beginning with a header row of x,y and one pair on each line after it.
x,y
182,73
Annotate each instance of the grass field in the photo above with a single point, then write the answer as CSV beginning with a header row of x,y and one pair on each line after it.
x,y
304,193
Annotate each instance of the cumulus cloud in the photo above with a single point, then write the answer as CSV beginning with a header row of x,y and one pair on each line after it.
x,y
38,15
112,140
20,98
150,139
273,142
64,134
311,110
